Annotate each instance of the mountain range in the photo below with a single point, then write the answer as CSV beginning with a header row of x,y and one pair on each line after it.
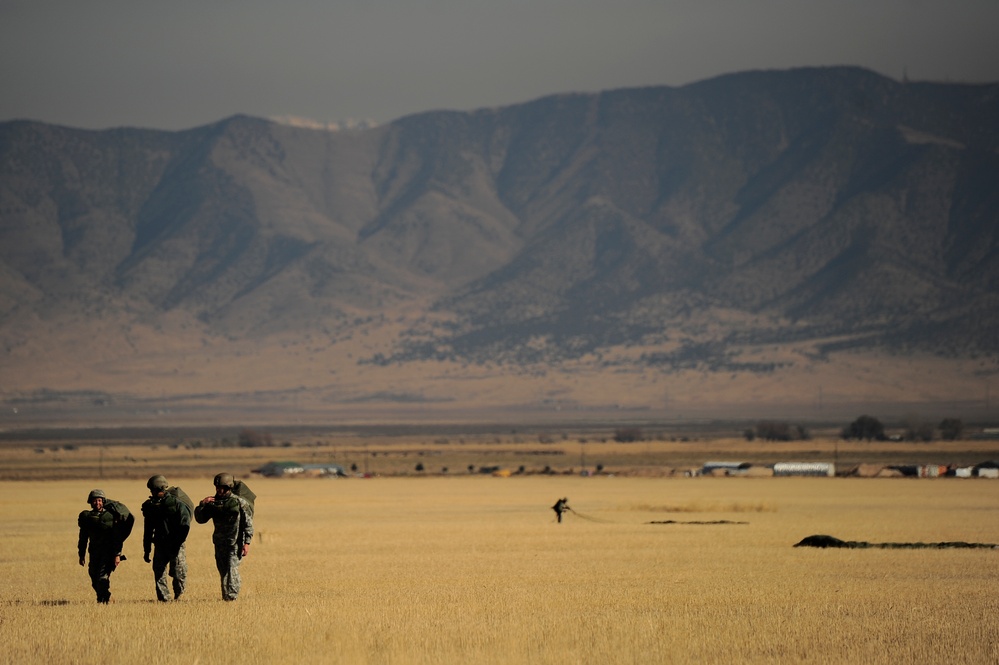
x,y
763,238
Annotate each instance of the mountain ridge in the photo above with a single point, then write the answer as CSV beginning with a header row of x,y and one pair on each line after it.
x,y
831,210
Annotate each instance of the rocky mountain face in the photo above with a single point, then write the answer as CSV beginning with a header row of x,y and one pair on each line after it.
x,y
832,206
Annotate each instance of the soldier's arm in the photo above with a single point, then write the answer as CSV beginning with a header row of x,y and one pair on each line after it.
x,y
247,518
245,529
81,544
183,527
147,531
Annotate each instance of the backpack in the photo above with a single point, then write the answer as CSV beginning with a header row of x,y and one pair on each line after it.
x,y
123,519
240,489
181,496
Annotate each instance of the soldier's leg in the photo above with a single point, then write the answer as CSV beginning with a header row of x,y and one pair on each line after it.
x,y
227,561
95,579
100,577
222,564
223,561
160,562
178,571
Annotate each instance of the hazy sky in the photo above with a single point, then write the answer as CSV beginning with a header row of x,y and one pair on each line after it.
x,y
182,63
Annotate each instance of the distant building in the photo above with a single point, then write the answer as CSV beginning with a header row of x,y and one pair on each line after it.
x,y
281,469
724,468
325,470
276,469
804,469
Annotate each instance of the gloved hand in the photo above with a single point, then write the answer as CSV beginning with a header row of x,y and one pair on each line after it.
x,y
82,561
145,557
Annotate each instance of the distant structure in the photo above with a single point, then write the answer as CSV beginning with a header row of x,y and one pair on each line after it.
x,y
725,468
283,469
805,469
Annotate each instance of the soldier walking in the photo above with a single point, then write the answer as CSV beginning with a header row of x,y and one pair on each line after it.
x,y
233,520
560,507
166,523
103,530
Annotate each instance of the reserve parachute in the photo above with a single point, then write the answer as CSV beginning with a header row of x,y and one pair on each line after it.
x,y
181,496
123,519
240,489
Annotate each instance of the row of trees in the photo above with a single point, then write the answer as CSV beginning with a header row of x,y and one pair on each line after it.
x,y
864,428
770,430
869,428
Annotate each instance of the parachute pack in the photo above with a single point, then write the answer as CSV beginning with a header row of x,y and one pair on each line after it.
x,y
123,519
240,489
181,496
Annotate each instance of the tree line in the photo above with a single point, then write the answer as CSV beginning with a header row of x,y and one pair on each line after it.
x,y
869,428
864,428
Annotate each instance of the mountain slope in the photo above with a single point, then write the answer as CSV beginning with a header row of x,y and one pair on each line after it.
x,y
830,209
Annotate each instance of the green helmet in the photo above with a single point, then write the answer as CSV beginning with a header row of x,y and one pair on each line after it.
x,y
96,494
224,480
157,483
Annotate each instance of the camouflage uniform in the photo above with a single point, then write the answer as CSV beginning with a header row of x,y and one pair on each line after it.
x,y
233,520
103,531
166,523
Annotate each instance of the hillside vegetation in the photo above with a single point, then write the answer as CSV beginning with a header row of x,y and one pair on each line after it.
x,y
760,238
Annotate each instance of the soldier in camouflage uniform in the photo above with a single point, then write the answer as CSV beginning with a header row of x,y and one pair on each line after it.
x,y
166,523
233,519
103,530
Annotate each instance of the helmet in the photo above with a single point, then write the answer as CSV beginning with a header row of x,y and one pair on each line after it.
x,y
224,480
157,483
96,494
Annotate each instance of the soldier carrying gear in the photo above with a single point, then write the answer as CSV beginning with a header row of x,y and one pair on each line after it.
x,y
103,530
233,520
166,523
560,507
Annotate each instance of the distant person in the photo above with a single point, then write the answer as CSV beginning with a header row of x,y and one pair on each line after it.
x,y
560,507
103,531
166,523
233,519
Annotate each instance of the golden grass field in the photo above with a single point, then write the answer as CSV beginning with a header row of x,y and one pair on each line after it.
x,y
474,569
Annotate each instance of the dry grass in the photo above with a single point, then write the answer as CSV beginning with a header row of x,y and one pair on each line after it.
x,y
474,570
707,507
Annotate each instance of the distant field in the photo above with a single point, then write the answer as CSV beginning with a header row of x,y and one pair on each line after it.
x,y
474,569
137,452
